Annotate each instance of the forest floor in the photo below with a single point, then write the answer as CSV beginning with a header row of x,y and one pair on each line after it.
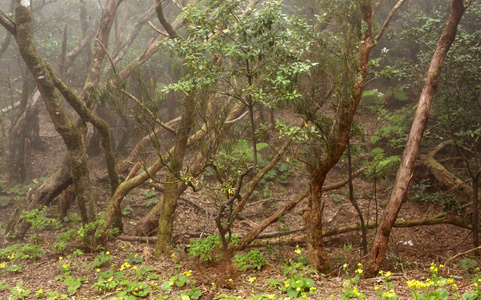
x,y
411,253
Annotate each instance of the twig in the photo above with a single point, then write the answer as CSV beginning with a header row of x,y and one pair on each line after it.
x,y
459,254
157,29
108,55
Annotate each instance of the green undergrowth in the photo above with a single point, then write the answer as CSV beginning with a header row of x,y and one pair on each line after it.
x,y
122,274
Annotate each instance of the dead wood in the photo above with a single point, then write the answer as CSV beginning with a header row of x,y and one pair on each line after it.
x,y
277,238
457,255
439,219
447,179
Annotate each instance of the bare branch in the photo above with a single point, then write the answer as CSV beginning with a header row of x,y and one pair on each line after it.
x,y
157,29
388,19
8,23
148,111
167,26
108,55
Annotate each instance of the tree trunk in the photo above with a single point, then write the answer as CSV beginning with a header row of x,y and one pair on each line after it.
x,y
338,142
411,151
70,135
475,214
23,128
52,187
354,201
318,258
171,194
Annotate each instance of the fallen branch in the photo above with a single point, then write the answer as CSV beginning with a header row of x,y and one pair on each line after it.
x,y
457,255
439,219
277,238
443,176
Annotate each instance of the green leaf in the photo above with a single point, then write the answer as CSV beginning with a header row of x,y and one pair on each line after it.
x,y
291,293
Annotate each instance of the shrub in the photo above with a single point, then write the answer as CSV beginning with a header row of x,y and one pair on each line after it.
x,y
252,260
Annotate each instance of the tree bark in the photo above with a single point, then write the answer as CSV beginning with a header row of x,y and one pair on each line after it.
x,y
171,194
336,146
448,180
69,133
411,150
14,162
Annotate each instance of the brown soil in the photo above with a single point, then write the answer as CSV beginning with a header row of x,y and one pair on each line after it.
x,y
411,250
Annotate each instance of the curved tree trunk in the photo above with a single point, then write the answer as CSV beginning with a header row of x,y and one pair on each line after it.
x,y
70,135
411,151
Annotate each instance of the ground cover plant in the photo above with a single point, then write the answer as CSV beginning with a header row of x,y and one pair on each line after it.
x,y
122,274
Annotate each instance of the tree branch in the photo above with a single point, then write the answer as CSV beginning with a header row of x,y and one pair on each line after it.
x,y
388,19
8,23
167,26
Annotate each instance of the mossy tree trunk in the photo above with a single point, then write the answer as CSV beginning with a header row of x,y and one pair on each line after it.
x,y
69,133
171,194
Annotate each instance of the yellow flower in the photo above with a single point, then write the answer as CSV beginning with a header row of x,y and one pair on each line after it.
x,y
60,258
134,268
354,290
298,251
108,253
252,279
98,270
188,273
124,266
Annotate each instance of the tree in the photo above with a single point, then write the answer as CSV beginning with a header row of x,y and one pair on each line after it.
x,y
413,144
339,81
90,95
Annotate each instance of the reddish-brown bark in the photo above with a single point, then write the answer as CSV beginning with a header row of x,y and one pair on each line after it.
x,y
411,150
